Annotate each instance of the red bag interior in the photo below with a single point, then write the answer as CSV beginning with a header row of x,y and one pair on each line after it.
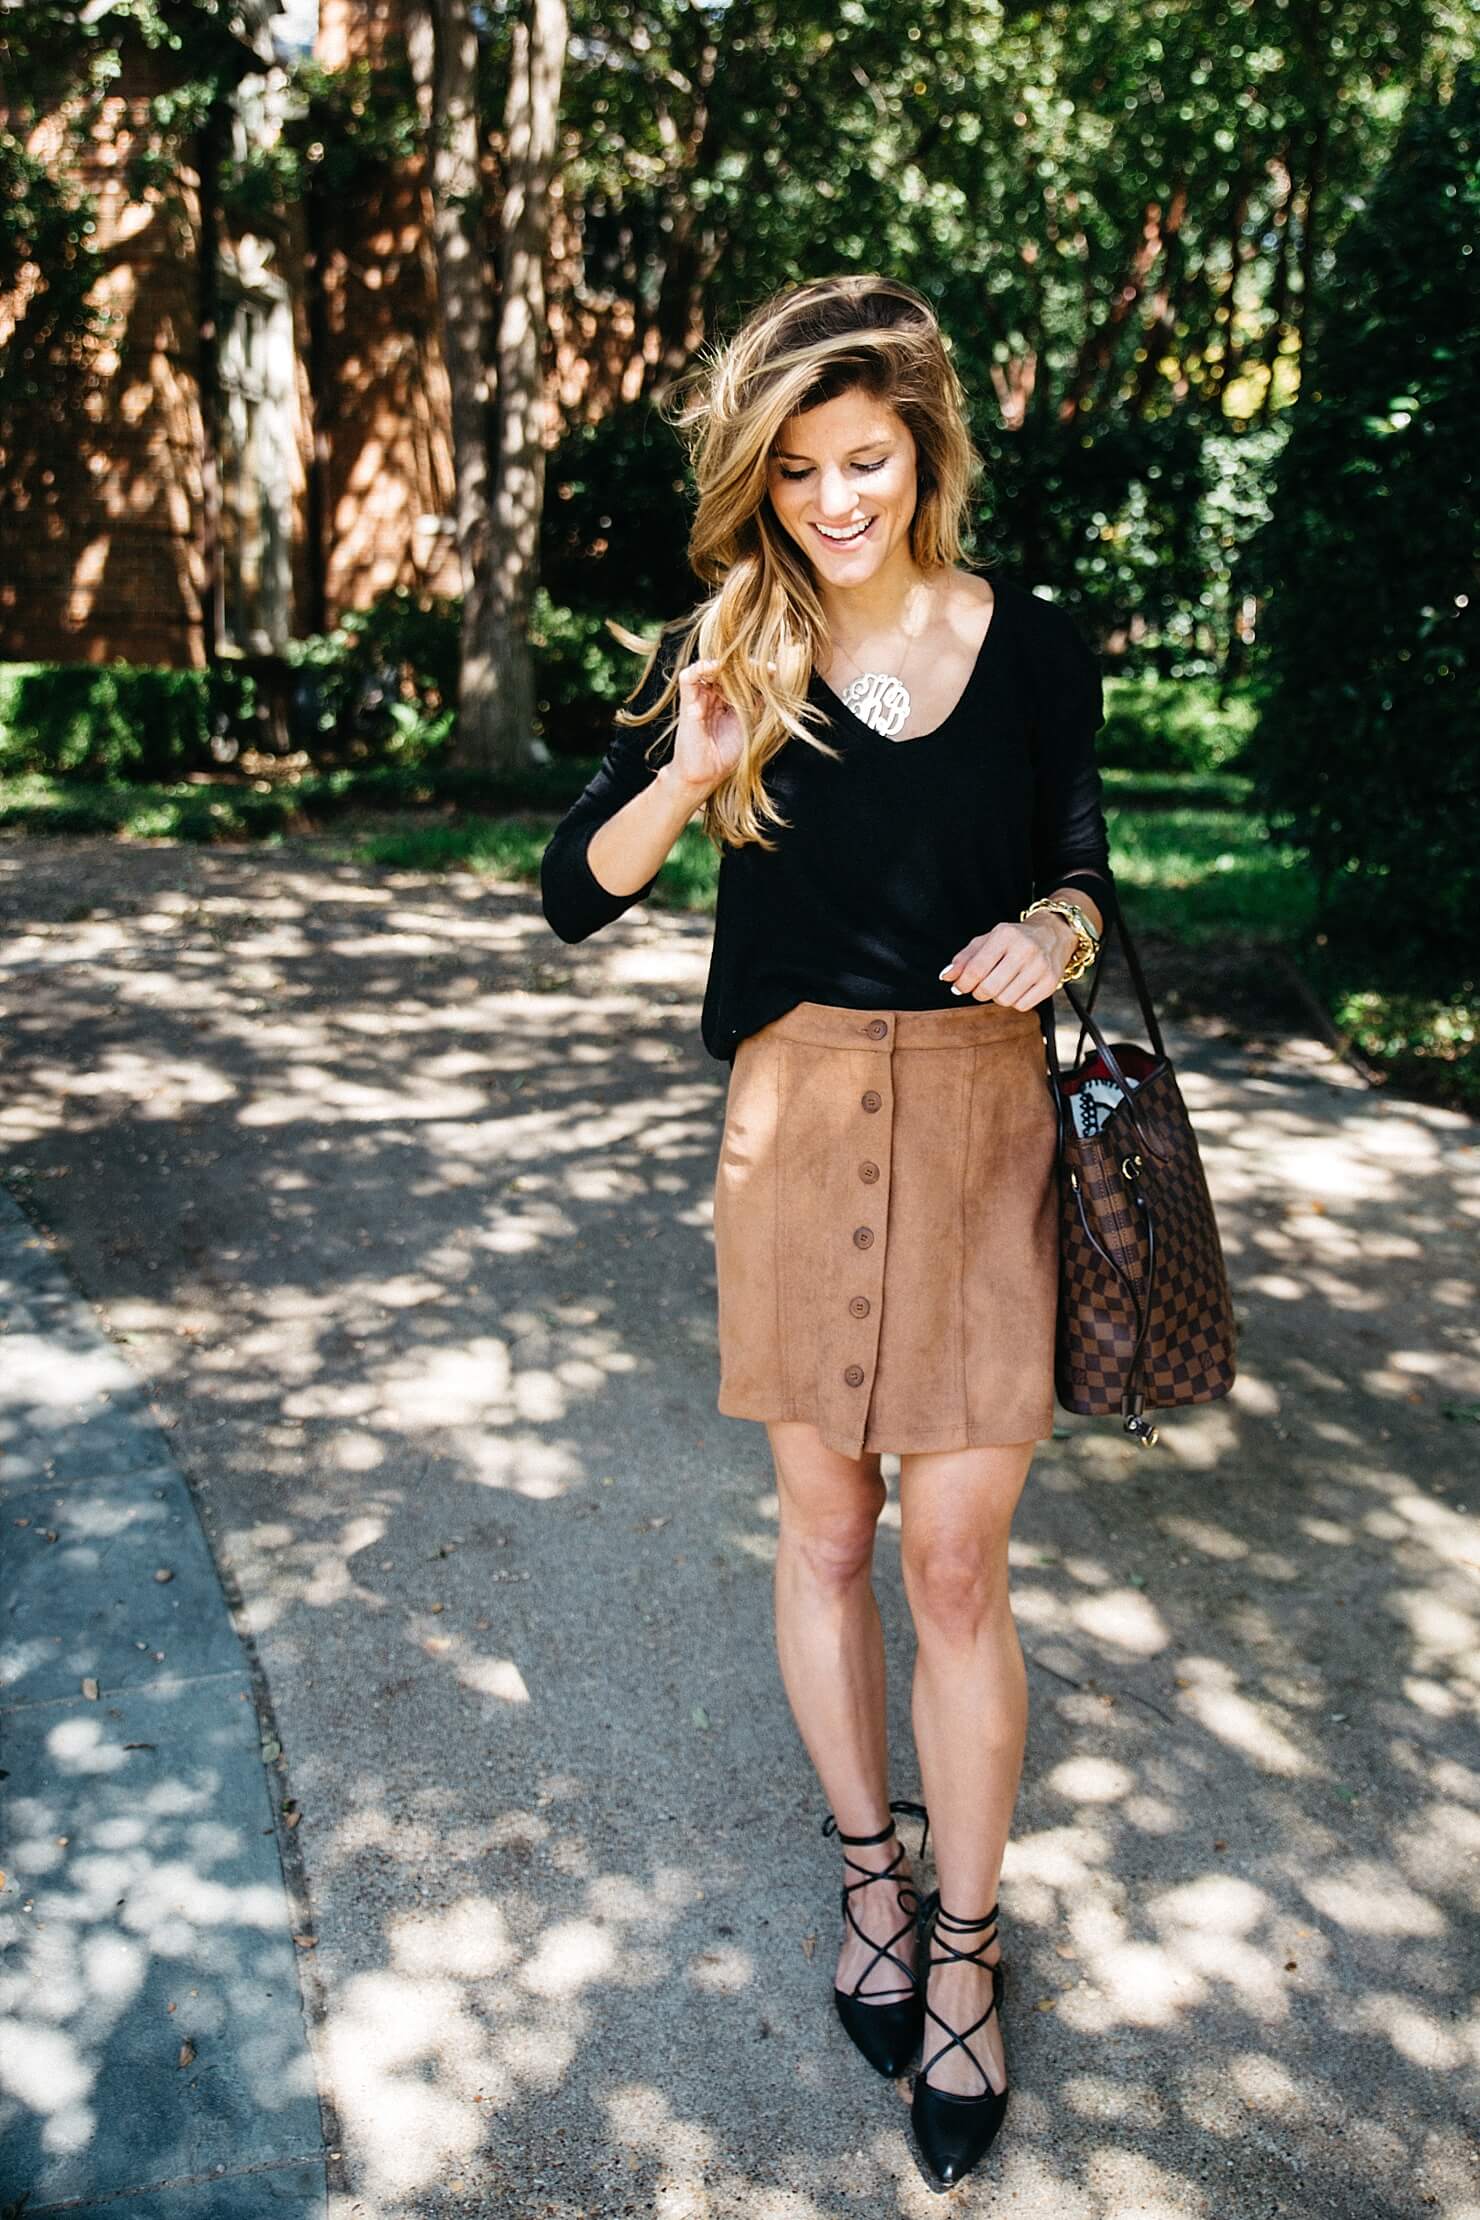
x,y
1136,1062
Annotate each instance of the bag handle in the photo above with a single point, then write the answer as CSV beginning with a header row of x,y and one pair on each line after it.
x,y
1087,1023
1138,981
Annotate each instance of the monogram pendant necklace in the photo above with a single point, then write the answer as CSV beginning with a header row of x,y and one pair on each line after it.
x,y
880,699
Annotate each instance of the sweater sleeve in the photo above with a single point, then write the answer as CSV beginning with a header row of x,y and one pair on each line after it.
x,y
1071,845
575,902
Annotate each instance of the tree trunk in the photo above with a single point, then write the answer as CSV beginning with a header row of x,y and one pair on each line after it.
x,y
444,58
213,143
499,692
496,376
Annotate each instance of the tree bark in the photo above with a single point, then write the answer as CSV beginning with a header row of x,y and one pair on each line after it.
x,y
214,140
496,715
444,58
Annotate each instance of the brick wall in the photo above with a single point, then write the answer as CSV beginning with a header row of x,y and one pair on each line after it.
x,y
100,551
102,529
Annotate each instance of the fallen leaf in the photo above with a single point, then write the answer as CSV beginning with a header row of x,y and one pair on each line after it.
x,y
809,1944
164,1574
307,1942
436,1644
700,1716
271,1751
187,2053
90,1690
1046,2003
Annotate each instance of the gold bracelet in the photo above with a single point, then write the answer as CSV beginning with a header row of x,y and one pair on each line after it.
x,y
1087,944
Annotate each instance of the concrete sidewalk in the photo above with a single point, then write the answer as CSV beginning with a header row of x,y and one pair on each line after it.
x,y
402,1209
153,2052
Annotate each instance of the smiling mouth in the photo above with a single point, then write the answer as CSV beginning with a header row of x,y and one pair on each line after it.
x,y
844,539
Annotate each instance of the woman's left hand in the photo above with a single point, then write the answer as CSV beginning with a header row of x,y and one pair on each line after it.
x,y
1019,964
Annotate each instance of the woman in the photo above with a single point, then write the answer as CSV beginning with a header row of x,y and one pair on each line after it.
x,y
894,752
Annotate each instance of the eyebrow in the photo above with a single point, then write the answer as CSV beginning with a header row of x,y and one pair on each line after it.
x,y
789,454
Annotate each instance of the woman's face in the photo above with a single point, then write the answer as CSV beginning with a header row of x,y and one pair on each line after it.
x,y
843,485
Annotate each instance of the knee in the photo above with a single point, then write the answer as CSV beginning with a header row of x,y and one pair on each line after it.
x,y
835,1552
952,1588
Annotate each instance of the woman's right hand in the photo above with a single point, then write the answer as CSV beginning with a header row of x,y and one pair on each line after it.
x,y
708,741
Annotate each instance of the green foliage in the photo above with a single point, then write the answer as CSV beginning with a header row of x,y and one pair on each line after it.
x,y
1366,751
383,684
1121,213
1155,724
343,131
349,125
380,689
1427,1043
46,227
617,506
117,720
582,673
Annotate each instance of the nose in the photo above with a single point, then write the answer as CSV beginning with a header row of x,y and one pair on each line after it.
x,y
835,497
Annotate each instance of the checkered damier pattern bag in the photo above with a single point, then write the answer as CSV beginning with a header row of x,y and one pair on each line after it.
x,y
1145,1317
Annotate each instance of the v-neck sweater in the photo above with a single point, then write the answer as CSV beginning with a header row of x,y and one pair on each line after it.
x,y
897,853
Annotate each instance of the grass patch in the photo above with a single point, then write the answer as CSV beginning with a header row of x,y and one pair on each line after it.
x,y
1204,874
206,809
1130,789
510,848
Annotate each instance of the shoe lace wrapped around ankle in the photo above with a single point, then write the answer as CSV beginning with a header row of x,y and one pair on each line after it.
x,y
904,1890
943,1951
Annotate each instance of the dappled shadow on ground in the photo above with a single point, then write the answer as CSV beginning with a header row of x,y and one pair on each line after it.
x,y
404,1208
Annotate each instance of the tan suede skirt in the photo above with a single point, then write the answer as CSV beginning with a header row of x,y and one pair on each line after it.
x,y
885,1231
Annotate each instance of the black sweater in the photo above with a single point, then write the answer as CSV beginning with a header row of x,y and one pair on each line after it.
x,y
899,852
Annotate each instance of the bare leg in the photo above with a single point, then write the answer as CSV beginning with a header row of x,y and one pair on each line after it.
x,y
830,1643
970,1704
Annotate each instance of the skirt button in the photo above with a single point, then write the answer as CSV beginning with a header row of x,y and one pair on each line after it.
x,y
863,1237
877,1028
859,1306
854,1375
871,1100
867,1171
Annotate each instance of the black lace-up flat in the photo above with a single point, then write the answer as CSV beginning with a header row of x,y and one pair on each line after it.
x,y
954,2132
886,2028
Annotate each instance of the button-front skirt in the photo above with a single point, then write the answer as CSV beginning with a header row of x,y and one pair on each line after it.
x,y
885,1229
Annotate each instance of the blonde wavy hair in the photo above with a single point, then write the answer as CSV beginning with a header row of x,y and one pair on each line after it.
x,y
763,625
